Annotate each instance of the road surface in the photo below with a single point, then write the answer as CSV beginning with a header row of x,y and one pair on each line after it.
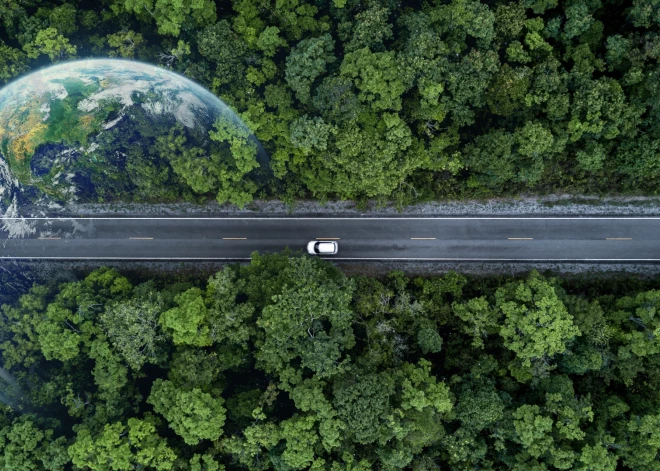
x,y
441,239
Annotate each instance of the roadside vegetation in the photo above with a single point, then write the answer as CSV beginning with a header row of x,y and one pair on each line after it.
x,y
399,101
286,364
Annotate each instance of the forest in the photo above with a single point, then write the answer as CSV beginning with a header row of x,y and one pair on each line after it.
x,y
394,101
285,363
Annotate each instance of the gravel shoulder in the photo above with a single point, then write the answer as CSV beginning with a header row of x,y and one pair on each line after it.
x,y
531,206
45,271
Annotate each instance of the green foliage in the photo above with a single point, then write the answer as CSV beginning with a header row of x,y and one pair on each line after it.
x,y
233,186
231,321
59,340
120,447
193,415
479,406
309,133
420,390
171,15
132,327
205,463
370,29
510,20
480,319
532,430
26,447
643,321
49,42
223,47
269,40
402,102
306,62
578,20
378,77
325,372
429,340
12,62
508,90
537,325
187,321
309,322
125,43
63,18
363,403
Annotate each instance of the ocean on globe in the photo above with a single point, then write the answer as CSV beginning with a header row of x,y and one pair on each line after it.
x,y
95,130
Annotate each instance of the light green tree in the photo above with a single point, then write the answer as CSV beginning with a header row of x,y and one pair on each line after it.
x,y
119,447
125,43
49,42
234,187
642,439
269,41
58,335
370,28
479,317
537,325
532,430
24,446
300,438
187,322
251,448
171,15
205,462
641,331
193,415
380,77
421,391
311,133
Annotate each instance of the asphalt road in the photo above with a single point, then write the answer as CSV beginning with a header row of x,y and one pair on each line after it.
x,y
446,239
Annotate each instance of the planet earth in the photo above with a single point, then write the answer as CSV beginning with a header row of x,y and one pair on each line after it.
x,y
86,131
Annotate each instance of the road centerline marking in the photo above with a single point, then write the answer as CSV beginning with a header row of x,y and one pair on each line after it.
x,y
234,238
141,238
521,238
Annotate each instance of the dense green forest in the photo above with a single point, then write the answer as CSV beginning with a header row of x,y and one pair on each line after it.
x,y
393,100
286,364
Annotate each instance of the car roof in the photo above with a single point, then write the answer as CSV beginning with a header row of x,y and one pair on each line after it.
x,y
326,247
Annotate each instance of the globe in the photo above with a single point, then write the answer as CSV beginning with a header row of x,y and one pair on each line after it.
x,y
88,130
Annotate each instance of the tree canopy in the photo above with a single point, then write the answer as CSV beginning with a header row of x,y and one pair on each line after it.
x,y
397,101
287,363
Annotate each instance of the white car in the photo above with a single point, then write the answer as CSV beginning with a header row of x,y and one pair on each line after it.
x,y
322,247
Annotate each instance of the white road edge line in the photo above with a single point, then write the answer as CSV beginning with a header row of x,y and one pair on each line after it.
x,y
422,238
521,238
345,258
331,218
141,238
234,238
618,238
